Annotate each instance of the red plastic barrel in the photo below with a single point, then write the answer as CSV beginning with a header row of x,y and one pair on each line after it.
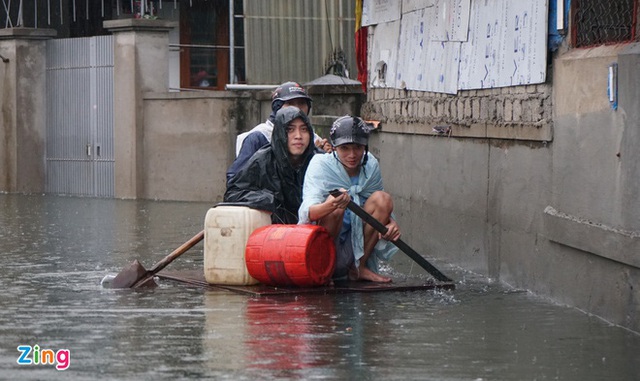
x,y
291,255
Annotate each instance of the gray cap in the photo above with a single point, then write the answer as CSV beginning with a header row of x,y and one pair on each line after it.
x,y
349,129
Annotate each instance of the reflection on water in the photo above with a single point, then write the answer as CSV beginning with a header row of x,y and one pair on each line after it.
x,y
55,251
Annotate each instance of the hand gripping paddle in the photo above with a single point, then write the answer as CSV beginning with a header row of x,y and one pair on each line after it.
x,y
419,259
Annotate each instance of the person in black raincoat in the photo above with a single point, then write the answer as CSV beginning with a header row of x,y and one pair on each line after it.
x,y
272,179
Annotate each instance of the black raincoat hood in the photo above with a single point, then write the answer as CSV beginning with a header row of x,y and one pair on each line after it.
x,y
269,181
279,137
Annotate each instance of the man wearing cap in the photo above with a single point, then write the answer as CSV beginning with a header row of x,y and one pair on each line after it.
x,y
355,171
248,143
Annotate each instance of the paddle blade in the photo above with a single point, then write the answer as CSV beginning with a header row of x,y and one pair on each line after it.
x,y
129,276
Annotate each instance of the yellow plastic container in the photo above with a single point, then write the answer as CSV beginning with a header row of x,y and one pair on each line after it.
x,y
226,231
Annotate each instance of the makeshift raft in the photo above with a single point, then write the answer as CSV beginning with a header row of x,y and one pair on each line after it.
x,y
196,278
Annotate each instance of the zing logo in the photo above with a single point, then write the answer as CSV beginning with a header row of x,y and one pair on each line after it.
x,y
35,356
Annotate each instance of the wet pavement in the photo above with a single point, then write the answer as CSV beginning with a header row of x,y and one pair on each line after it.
x,y
56,250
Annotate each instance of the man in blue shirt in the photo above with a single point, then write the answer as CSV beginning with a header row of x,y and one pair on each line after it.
x,y
355,171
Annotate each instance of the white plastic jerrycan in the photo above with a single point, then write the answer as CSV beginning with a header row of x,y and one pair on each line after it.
x,y
226,231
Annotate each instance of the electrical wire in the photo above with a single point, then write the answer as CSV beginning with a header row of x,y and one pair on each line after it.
x,y
333,48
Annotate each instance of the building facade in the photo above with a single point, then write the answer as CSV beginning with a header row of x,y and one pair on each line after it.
x,y
535,185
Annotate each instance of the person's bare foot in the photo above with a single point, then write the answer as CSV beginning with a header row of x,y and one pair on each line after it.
x,y
366,274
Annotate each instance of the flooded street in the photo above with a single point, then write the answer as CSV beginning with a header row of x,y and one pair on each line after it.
x,y
56,250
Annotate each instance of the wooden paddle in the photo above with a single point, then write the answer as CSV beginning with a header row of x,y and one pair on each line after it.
x,y
135,275
419,259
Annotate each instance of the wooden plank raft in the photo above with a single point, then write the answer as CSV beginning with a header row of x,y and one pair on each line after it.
x,y
196,278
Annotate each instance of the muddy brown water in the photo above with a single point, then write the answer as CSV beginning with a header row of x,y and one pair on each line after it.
x,y
56,250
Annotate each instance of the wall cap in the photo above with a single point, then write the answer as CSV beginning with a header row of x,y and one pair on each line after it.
x,y
138,25
22,33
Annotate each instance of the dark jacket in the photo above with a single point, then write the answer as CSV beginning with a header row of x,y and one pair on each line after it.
x,y
251,144
269,181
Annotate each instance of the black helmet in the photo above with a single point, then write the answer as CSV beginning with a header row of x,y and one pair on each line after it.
x,y
349,129
288,91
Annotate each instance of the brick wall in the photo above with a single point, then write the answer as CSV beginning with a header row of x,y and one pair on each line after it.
x,y
519,112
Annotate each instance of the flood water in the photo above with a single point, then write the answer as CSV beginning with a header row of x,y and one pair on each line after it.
x,y
56,250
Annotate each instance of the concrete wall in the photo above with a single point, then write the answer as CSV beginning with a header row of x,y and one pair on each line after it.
x,y
8,117
594,214
333,97
188,138
169,146
140,66
548,204
22,109
189,142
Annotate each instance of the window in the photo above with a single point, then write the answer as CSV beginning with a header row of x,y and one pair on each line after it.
x,y
205,42
597,22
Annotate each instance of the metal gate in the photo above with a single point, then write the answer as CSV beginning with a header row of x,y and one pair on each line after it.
x,y
79,153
